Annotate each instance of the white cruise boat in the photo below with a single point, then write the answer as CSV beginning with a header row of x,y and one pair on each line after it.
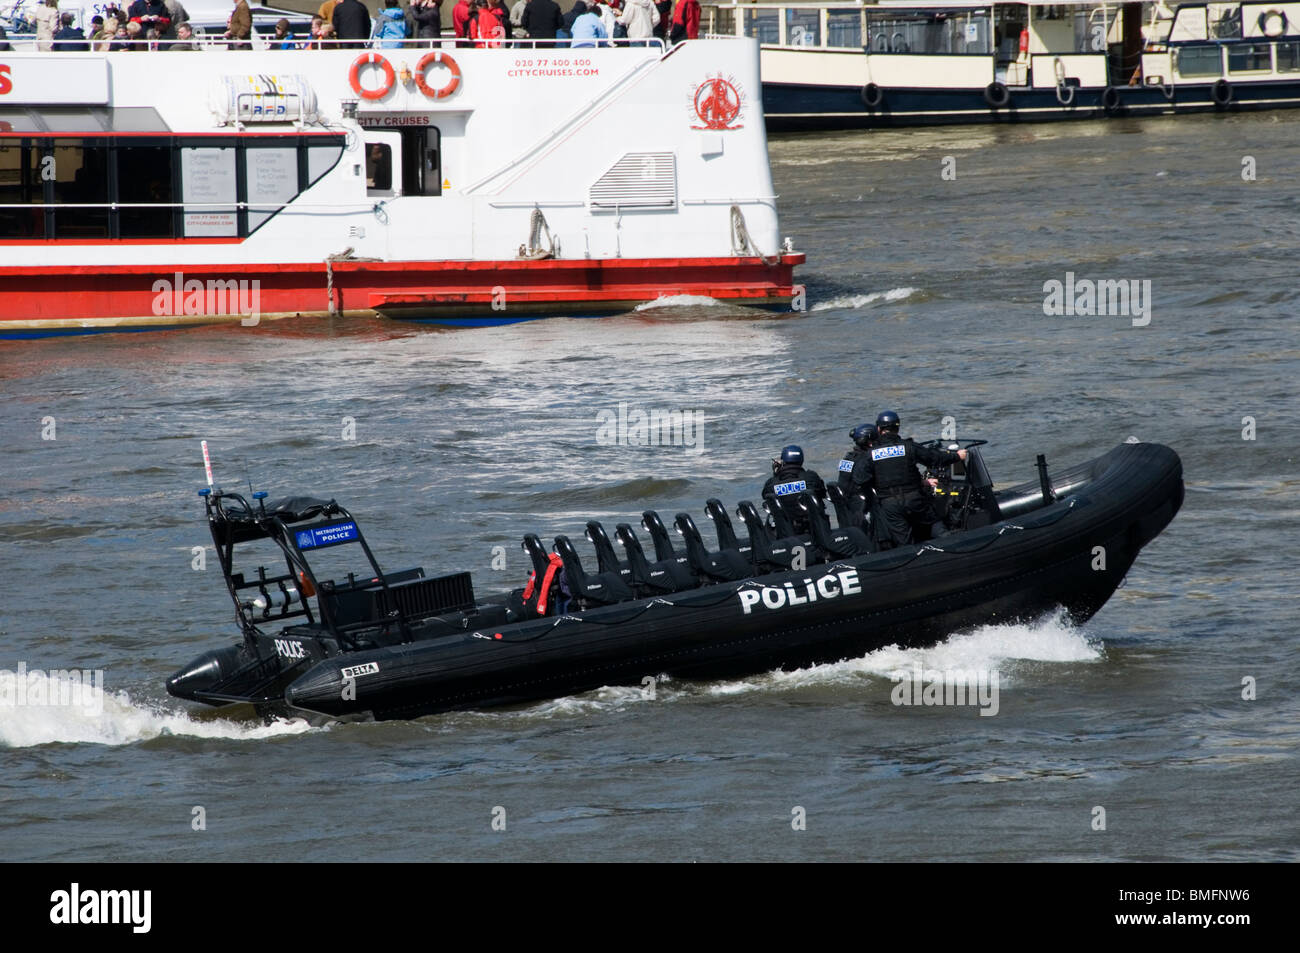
x,y
900,63
157,188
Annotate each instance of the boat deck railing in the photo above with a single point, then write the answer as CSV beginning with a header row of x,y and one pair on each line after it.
x,y
206,42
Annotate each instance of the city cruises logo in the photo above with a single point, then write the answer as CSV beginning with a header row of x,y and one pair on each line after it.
x,y
717,102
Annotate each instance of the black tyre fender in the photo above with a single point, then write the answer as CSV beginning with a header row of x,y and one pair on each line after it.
x,y
1110,100
997,95
1221,92
872,96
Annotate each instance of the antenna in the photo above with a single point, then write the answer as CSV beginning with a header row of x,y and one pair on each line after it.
x,y
207,462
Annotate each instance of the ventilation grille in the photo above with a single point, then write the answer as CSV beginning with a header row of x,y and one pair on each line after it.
x,y
638,180
425,597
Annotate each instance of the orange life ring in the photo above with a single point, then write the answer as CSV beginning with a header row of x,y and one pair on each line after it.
x,y
354,76
453,84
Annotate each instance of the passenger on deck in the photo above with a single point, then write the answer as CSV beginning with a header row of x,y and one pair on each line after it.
x,y
905,503
485,25
608,19
665,8
47,23
788,480
640,18
517,18
390,26
352,23
460,21
184,39
150,14
686,21
284,38
241,27
588,30
543,20
102,41
326,11
503,17
424,19
178,15
69,38
577,10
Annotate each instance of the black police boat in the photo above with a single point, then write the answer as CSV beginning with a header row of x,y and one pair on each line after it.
x,y
400,644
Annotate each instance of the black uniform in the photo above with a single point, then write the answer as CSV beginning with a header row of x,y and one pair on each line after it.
x,y
786,483
904,502
856,479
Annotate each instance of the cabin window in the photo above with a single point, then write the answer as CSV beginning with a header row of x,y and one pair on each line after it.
x,y
271,177
1090,31
1250,58
844,28
722,19
153,187
803,27
145,189
81,197
763,25
1288,57
379,166
1224,20
1200,60
210,192
21,184
1189,24
321,157
422,161
930,33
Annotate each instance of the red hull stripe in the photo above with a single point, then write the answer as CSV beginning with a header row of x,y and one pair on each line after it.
x,y
126,296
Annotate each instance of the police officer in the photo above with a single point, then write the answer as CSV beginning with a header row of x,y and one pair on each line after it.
x,y
788,480
855,472
904,503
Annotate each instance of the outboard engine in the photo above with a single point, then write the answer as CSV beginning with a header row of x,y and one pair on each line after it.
x,y
980,507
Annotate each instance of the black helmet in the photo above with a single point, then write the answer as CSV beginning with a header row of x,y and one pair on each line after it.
x,y
792,455
863,435
888,420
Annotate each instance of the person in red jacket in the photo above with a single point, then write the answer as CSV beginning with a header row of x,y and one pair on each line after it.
x,y
686,21
460,20
486,29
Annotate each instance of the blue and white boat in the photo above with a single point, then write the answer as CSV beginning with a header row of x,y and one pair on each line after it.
x,y
903,63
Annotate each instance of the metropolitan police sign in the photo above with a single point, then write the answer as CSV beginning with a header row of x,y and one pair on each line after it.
x,y
326,535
